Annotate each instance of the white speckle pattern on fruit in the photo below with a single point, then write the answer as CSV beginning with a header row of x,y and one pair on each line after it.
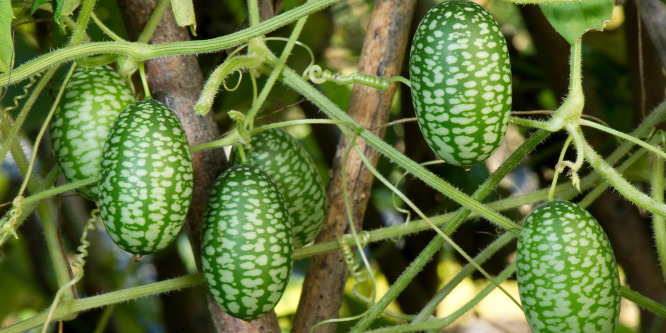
x,y
294,173
567,274
145,186
246,243
92,100
459,67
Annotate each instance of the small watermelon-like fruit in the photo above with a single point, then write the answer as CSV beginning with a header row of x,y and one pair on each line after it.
x,y
461,82
246,244
145,184
567,274
294,172
93,98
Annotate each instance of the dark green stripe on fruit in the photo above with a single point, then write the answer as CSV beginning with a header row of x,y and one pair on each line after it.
x,y
246,244
93,98
294,172
567,274
461,82
145,182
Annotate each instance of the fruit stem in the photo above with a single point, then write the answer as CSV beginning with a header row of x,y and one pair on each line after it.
x,y
558,171
572,108
144,81
241,152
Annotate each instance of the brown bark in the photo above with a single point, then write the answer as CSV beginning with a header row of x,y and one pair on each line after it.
x,y
177,81
382,55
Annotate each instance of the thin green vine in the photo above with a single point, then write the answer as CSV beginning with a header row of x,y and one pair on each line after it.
x,y
487,253
67,308
439,323
153,21
446,238
82,22
141,52
658,221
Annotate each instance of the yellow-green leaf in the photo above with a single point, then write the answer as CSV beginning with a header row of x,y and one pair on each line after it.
x,y
183,10
572,19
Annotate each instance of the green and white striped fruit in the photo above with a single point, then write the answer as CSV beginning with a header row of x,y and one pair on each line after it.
x,y
294,172
246,244
461,82
567,275
93,98
145,182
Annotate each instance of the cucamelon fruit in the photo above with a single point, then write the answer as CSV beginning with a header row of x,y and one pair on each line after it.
x,y
92,99
461,82
567,275
145,184
295,174
246,243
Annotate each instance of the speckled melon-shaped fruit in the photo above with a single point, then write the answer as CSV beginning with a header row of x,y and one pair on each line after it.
x,y
461,82
294,172
567,275
246,244
93,98
145,182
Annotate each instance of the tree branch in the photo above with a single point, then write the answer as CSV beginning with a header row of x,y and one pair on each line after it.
x,y
382,55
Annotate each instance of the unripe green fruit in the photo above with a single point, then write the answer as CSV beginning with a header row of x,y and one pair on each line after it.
x,y
93,98
461,82
567,274
145,184
246,243
295,174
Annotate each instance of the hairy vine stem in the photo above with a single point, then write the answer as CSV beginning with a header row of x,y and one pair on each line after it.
x,y
141,52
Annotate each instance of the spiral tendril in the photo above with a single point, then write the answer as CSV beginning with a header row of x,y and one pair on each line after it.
x,y
355,268
318,76
79,262
17,99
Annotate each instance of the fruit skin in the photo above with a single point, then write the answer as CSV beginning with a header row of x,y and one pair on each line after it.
x,y
246,243
461,82
93,98
145,184
567,274
294,172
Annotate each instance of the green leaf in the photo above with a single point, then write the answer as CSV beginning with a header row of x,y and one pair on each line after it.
x,y
573,19
36,4
6,53
63,8
183,10
57,9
